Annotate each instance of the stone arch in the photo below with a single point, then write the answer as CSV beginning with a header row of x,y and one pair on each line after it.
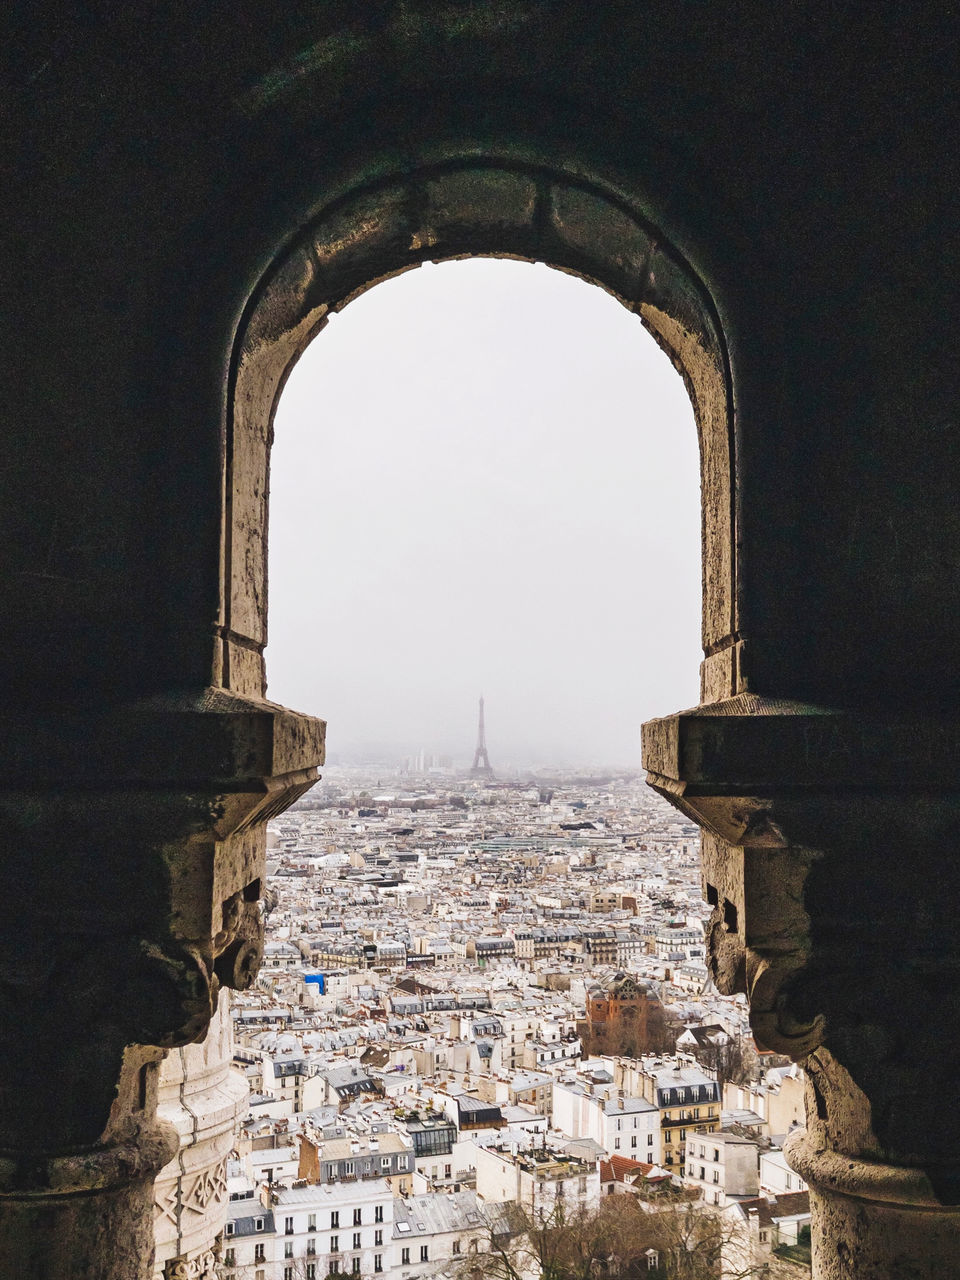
x,y
464,207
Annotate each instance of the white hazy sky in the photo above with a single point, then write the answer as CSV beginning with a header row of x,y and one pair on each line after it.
x,y
485,480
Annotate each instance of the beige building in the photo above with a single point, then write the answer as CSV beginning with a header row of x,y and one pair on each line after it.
x,y
722,1167
536,1178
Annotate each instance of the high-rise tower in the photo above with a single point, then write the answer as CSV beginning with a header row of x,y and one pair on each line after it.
x,y
481,761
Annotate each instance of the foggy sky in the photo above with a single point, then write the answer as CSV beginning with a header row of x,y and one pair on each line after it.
x,y
485,480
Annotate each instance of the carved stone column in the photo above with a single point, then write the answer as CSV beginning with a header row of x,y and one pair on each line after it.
x,y
133,846
205,1098
829,858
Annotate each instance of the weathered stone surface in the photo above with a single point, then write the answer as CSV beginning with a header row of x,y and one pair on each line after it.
x,y
484,207
872,1219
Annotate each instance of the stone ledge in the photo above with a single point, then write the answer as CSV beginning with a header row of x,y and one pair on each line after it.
x,y
748,744
215,740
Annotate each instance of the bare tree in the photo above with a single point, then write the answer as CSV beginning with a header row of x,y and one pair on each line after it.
x,y
618,1238
726,1061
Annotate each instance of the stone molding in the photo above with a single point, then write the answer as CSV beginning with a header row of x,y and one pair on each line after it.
x,y
866,1180
202,1267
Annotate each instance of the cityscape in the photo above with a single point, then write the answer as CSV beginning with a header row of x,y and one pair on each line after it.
x,y
485,1042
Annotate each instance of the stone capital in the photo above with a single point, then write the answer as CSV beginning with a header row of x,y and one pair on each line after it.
x,y
833,906
135,838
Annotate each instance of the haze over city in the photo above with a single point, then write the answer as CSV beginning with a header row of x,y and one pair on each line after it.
x,y
485,480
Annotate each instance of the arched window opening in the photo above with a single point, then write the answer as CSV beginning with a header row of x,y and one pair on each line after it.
x,y
485,478
463,209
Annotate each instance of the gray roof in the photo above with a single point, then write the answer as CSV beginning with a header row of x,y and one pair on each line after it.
x,y
247,1225
625,1106
436,1214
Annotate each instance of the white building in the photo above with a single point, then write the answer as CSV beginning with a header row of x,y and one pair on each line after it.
x,y
621,1124
250,1239
776,1176
344,1227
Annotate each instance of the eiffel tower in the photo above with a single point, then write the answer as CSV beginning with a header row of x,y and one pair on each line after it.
x,y
481,761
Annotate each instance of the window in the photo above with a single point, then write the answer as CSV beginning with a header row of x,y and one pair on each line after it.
x,y
312,1222
404,1257
616,1144
716,1175
356,1239
633,1140
288,1273
355,1267
260,1275
582,1187
384,1162
448,1170
334,1219
456,1246
424,1253
348,1166
229,1258
716,1155
230,1226
334,1267
311,1246
378,1213
260,1253
378,1262
764,1235
357,1217
789,1181
288,1249
311,1271
288,1226
649,1139
334,1244
378,1237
